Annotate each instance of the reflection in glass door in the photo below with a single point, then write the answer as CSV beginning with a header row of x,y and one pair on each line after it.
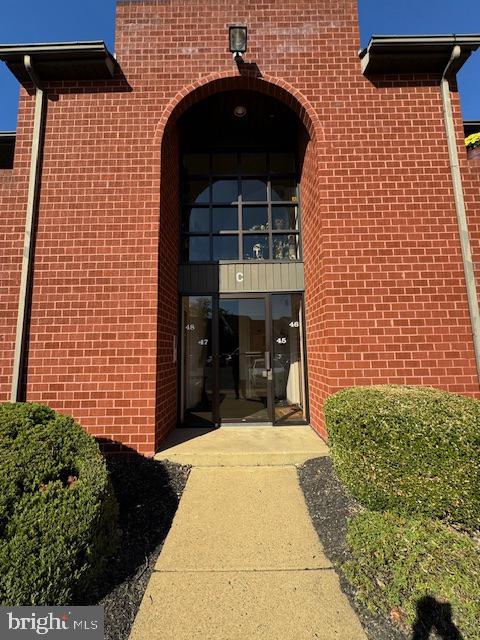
x,y
243,359
197,361
288,358
243,383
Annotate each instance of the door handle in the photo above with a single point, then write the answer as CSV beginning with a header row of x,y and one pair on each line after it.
x,y
268,361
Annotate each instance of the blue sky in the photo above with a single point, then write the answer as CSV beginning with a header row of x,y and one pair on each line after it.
x,y
50,20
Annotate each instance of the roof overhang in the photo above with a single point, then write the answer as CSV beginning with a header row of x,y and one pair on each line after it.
x,y
416,54
55,61
7,149
471,126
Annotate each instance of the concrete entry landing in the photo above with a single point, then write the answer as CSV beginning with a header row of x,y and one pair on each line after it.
x,y
242,446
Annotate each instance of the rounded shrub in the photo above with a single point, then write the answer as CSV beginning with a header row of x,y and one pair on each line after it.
x,y
58,514
416,571
411,450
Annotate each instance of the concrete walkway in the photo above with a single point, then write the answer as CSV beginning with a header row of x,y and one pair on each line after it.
x,y
242,560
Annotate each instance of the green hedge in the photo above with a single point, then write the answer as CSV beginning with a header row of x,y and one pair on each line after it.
x,y
58,514
397,563
411,450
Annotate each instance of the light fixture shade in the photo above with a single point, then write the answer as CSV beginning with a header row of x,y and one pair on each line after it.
x,y
238,38
240,111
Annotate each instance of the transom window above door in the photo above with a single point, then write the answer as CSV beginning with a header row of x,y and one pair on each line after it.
x,y
240,207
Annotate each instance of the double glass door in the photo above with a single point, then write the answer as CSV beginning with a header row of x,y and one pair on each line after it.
x,y
243,359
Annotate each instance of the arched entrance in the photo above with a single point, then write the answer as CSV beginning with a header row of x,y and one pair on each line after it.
x,y
239,196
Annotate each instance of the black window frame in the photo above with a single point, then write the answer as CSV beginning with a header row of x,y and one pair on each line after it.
x,y
240,204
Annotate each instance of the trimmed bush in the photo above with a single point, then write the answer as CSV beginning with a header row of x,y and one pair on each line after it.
x,y
415,570
411,450
58,513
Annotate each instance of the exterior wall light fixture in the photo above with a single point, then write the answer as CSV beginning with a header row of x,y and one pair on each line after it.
x,y
237,36
240,111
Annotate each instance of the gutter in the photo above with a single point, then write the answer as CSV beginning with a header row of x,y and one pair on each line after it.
x,y
421,41
387,55
460,202
25,298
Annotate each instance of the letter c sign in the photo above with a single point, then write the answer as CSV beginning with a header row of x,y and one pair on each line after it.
x,y
239,276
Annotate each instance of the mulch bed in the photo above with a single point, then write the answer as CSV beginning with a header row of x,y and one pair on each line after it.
x,y
330,508
148,493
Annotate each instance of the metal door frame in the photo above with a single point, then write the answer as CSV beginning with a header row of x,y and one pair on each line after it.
x,y
217,421
268,343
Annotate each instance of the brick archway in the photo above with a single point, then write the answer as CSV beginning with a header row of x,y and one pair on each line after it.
x,y
217,82
166,139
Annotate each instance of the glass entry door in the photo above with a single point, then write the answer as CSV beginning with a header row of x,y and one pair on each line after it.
x,y
244,387
288,361
197,371
243,359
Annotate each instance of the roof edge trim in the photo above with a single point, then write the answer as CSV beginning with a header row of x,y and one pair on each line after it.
x,y
394,54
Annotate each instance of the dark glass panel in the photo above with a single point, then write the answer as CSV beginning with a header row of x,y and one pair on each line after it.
x,y
253,163
255,247
197,190
196,249
197,369
255,218
225,190
285,247
196,219
243,376
254,190
284,217
288,358
196,163
224,163
284,189
225,219
225,248
282,162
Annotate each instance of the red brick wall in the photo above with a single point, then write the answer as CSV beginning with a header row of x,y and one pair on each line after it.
x,y
13,202
385,297
395,253
168,251
315,290
471,182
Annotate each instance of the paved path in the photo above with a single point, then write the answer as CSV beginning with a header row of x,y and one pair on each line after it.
x,y
243,562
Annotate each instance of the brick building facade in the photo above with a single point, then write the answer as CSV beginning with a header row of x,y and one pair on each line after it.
x,y
382,282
